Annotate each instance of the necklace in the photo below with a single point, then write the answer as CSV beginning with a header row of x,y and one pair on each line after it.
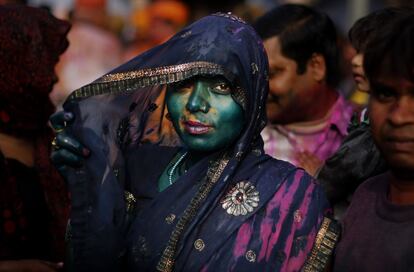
x,y
170,174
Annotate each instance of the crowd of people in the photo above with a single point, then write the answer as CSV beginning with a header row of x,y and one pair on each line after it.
x,y
223,145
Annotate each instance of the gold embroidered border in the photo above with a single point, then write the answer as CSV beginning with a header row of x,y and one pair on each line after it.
x,y
118,83
130,201
166,262
325,242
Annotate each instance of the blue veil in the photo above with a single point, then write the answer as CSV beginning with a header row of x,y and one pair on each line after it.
x,y
126,107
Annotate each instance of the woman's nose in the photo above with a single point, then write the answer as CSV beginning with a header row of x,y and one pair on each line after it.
x,y
198,100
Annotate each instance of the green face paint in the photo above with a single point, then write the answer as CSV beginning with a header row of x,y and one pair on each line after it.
x,y
204,114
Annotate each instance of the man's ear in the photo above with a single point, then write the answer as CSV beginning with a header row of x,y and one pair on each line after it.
x,y
317,66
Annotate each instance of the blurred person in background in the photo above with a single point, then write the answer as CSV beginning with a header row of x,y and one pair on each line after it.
x,y
33,198
359,35
307,117
155,24
379,224
93,49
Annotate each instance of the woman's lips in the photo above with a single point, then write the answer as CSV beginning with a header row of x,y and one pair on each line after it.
x,y
196,128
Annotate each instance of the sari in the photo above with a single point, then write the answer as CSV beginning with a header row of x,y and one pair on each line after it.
x,y
237,209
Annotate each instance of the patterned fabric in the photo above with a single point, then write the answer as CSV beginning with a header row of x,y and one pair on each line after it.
x,y
321,138
122,118
31,41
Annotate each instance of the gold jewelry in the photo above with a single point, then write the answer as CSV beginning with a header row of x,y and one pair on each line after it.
x,y
54,144
58,130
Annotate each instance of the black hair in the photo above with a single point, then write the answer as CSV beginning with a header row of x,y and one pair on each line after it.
x,y
302,31
369,26
391,52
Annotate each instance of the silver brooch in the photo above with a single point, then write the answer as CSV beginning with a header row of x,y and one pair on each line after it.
x,y
241,199
250,256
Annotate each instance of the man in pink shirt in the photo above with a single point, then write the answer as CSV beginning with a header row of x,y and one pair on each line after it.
x,y
307,118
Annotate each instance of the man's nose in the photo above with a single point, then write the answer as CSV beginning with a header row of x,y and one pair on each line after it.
x,y
402,112
357,60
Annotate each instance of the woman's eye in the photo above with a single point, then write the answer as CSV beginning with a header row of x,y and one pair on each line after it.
x,y
222,88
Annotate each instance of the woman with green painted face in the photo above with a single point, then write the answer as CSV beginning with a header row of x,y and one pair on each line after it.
x,y
165,163
205,117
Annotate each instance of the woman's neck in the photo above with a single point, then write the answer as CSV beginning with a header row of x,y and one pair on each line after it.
x,y
194,157
19,149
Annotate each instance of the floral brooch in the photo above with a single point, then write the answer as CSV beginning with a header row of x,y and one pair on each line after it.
x,y
241,199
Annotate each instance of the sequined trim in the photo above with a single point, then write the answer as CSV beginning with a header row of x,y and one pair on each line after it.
x,y
230,16
240,96
166,262
119,83
325,242
130,201
199,245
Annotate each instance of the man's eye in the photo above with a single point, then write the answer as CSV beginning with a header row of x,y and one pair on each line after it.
x,y
275,72
222,88
384,94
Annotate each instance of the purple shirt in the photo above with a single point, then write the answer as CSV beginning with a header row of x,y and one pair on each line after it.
x,y
377,235
321,138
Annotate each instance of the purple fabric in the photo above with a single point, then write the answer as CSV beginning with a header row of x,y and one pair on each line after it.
x,y
377,234
279,245
280,235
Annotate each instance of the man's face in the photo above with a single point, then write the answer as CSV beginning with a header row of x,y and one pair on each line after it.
x,y
392,122
358,72
290,94
204,114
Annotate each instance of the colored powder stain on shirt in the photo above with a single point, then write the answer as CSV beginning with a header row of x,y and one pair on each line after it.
x,y
321,138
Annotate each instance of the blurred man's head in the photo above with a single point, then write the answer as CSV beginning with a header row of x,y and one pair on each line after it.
x,y
301,44
363,31
389,66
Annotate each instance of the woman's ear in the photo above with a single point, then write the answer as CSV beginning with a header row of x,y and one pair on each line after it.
x,y
317,66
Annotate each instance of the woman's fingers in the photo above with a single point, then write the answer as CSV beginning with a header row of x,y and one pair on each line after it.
x,y
65,141
60,119
62,157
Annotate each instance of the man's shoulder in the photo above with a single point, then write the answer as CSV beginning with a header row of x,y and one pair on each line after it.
x,y
367,193
373,185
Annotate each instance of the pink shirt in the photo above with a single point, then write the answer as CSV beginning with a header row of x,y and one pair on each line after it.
x,y
321,138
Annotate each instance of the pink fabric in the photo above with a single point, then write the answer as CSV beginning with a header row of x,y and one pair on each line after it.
x,y
273,233
321,138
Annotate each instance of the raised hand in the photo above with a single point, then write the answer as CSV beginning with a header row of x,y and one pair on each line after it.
x,y
67,151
